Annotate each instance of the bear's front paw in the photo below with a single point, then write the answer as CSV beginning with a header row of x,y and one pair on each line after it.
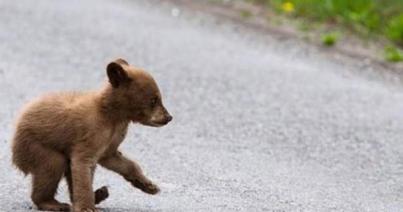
x,y
151,188
147,187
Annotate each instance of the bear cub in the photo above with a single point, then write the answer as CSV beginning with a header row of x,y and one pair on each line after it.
x,y
65,135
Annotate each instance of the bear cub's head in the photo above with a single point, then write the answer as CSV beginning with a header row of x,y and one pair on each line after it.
x,y
135,94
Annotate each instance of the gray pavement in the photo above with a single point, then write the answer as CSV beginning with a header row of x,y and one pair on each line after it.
x,y
260,123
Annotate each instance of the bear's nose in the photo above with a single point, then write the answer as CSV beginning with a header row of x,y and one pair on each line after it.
x,y
169,118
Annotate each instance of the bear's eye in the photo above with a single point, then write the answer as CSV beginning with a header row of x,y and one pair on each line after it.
x,y
154,101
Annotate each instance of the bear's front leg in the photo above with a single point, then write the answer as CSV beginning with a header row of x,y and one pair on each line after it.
x,y
81,168
130,170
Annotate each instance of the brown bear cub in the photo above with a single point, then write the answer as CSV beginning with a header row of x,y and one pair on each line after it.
x,y
68,134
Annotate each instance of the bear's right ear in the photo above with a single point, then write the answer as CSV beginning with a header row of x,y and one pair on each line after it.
x,y
116,74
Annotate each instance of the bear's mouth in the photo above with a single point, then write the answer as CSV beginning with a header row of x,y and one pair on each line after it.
x,y
158,123
154,122
149,123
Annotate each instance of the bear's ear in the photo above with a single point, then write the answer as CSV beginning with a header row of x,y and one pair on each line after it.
x,y
121,61
116,73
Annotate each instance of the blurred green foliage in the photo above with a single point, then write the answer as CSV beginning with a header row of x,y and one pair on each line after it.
x,y
394,29
393,54
367,17
246,14
329,39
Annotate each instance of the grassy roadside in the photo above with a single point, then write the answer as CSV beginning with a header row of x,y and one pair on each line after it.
x,y
369,19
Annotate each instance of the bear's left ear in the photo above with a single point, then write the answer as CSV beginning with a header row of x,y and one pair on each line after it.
x,y
121,61
116,73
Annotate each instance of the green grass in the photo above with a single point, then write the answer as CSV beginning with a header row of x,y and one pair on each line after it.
x,y
330,39
393,54
368,18
246,14
394,29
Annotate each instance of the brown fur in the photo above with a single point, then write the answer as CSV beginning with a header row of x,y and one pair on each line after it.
x,y
67,134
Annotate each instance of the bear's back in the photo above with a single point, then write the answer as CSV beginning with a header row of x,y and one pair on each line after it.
x,y
56,119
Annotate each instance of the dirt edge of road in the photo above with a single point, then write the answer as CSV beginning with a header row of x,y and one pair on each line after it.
x,y
351,50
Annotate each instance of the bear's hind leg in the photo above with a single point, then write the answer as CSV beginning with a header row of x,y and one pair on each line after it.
x,y
45,180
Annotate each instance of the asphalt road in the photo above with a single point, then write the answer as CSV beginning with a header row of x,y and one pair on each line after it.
x,y
260,123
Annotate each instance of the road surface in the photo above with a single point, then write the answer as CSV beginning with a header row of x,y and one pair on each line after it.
x,y
260,123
